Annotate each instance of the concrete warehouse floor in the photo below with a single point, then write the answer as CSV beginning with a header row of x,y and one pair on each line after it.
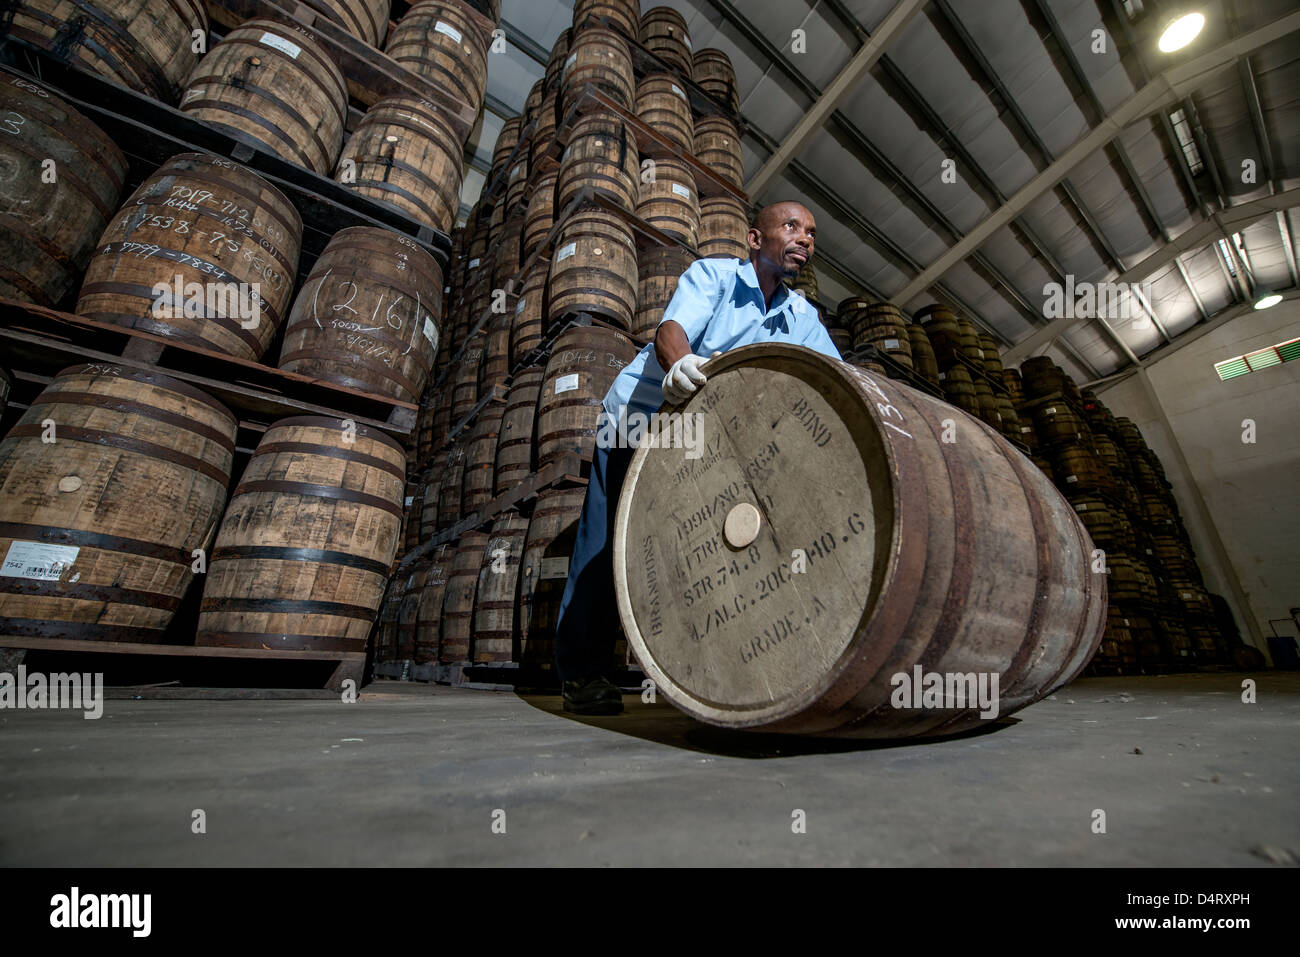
x,y
411,775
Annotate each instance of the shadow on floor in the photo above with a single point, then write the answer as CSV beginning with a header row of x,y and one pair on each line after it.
x,y
664,724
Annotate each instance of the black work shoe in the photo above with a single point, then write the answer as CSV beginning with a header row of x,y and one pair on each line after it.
x,y
592,696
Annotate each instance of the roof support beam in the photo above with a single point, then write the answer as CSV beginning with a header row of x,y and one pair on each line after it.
x,y
1197,237
1166,89
837,92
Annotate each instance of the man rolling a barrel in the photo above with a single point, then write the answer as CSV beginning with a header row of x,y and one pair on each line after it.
x,y
719,304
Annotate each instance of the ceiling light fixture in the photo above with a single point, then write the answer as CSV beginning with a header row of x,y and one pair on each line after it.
x,y
1180,31
1267,300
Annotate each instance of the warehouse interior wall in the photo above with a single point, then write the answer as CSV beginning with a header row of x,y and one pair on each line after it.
x,y
1247,481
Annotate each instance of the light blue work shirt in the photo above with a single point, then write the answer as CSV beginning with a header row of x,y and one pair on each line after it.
x,y
720,305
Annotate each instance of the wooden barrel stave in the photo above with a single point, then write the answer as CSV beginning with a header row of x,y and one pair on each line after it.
x,y
669,201
458,600
594,268
714,73
495,595
723,228
662,105
514,451
664,33
717,146
601,154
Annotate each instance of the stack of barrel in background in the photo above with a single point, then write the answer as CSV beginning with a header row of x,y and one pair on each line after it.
x,y
1161,617
315,517
547,299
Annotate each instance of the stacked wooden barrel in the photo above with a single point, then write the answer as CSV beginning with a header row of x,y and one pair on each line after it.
x,y
575,279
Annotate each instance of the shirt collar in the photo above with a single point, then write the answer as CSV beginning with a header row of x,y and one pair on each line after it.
x,y
780,299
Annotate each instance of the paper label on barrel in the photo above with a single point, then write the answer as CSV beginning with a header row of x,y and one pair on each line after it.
x,y
281,44
678,90
517,172
566,383
1026,428
519,306
447,30
681,190
1072,478
430,330
565,252
37,560
409,499
1051,411
554,567
473,263
891,343
573,58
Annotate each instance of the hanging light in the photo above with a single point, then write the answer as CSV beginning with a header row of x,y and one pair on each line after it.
x,y
1180,31
1267,300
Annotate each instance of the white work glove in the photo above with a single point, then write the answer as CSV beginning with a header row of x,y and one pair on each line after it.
x,y
684,377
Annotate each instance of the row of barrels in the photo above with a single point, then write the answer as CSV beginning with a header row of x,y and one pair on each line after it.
x,y
113,497
206,252
493,595
277,83
549,411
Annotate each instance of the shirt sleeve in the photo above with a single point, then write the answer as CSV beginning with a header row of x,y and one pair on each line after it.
x,y
693,304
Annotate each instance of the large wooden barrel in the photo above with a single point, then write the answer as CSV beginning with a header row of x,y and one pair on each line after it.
x,y
916,557
529,318
366,20
664,33
428,630
717,146
583,365
658,271
305,547
144,44
923,360
439,41
717,77
544,571
724,228
555,62
458,600
548,118
408,608
506,142
601,154
514,453
464,387
661,104
599,57
368,316
533,102
540,216
406,154
449,487
100,527
505,269
669,201
47,230
498,581
480,458
594,268
495,367
624,14
228,237
274,86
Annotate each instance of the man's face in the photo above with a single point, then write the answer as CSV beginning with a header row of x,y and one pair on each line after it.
x,y
783,238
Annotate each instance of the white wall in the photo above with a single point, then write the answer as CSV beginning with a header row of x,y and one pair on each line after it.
x,y
1250,489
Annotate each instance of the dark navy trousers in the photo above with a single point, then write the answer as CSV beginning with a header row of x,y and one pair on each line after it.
x,y
588,624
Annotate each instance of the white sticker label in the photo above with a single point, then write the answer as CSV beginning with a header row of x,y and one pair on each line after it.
x,y
430,330
447,29
37,560
891,343
473,263
281,44
409,500
565,252
556,566
678,90
1071,478
687,41
1081,507
517,172
520,306
566,383
1026,428
1051,411
681,190
573,58
1186,595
